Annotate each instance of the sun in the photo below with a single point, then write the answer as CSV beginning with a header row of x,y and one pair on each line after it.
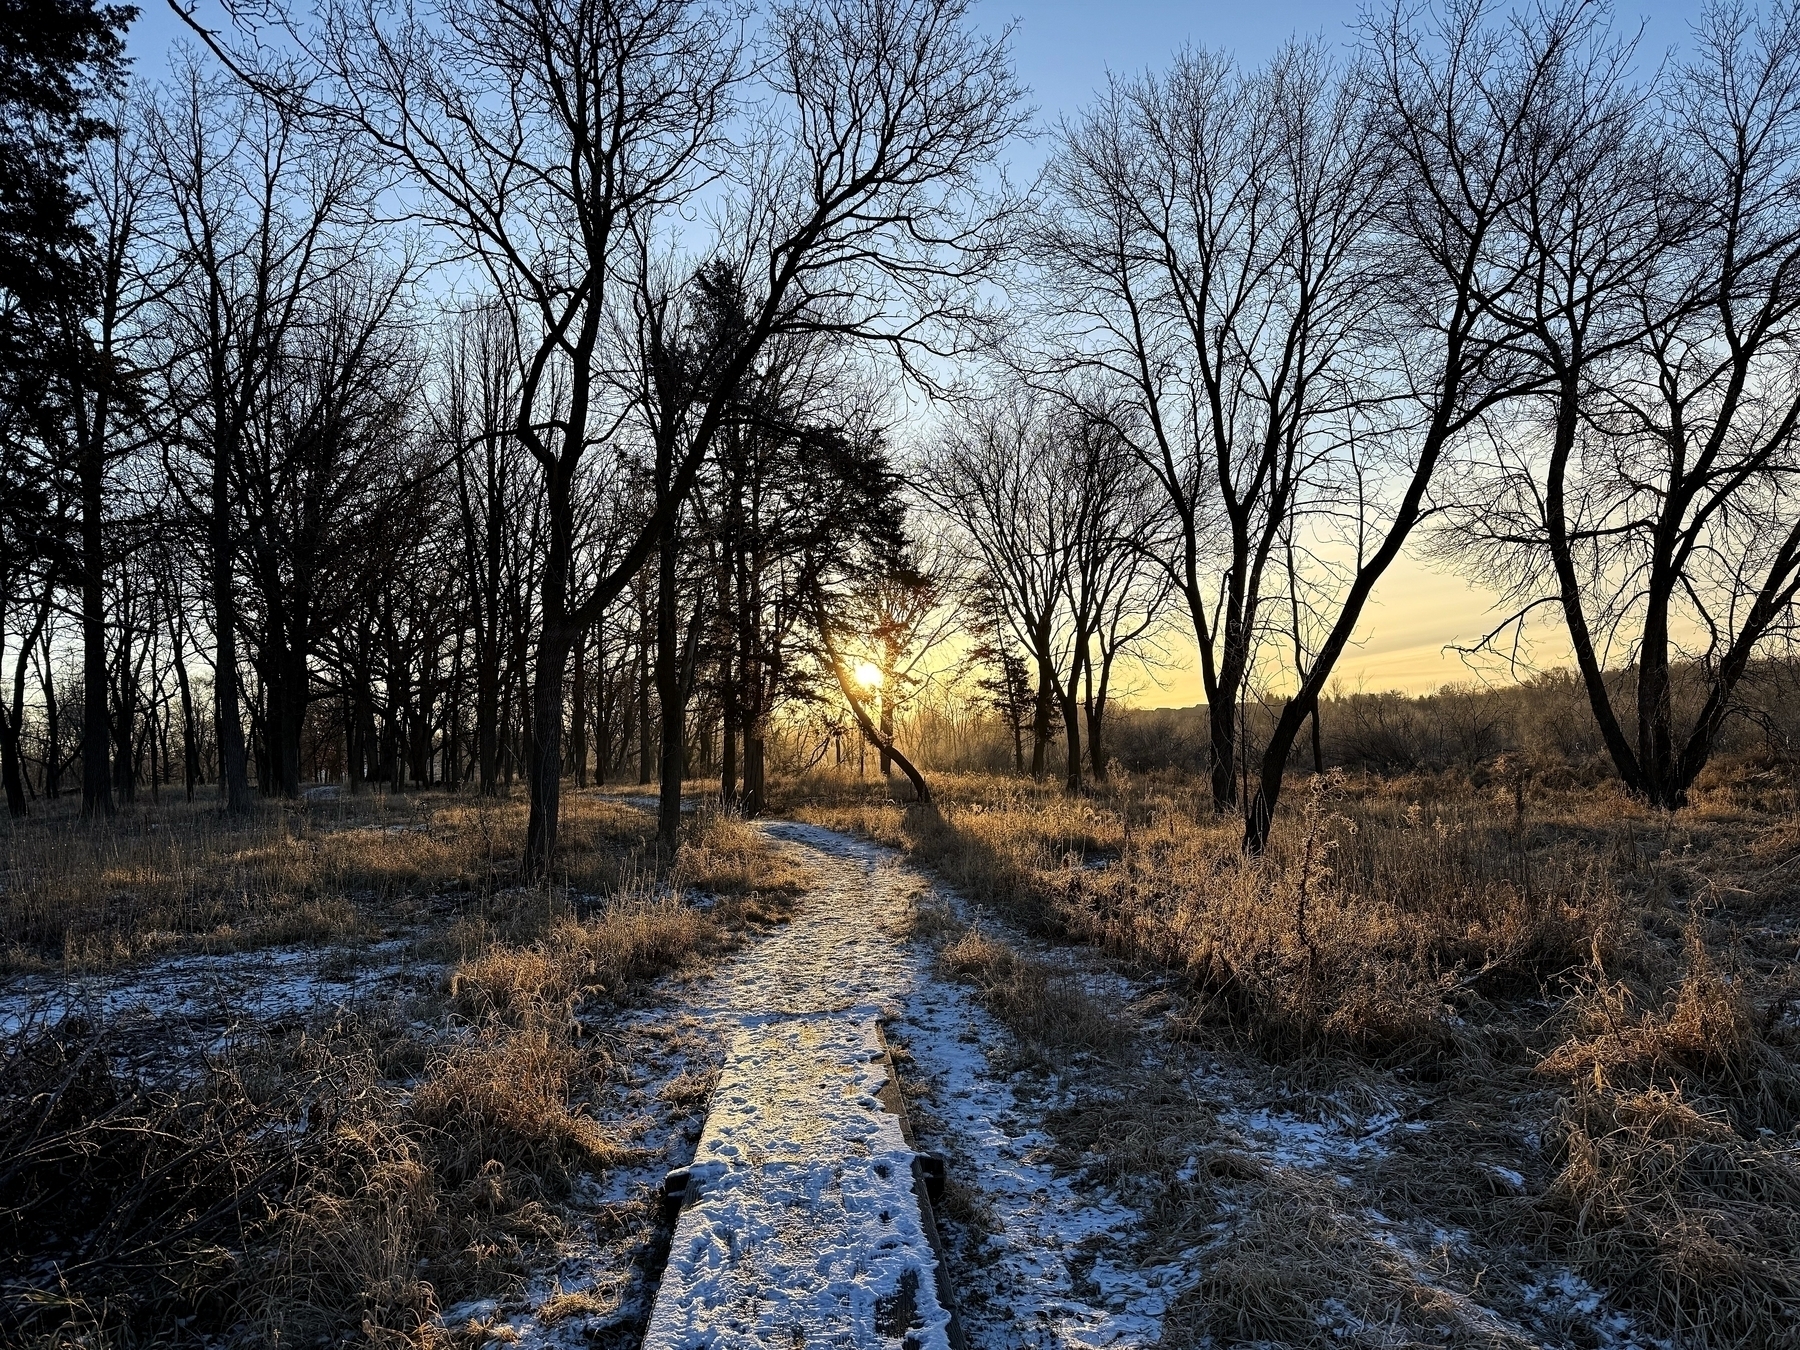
x,y
868,675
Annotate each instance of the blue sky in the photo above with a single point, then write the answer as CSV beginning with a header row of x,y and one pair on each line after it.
x,y
1065,49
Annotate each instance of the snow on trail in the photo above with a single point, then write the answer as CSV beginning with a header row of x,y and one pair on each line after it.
x,y
806,1231
845,950
1055,1267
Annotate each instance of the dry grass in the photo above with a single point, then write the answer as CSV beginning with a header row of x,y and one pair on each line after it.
x,y
177,876
754,880
498,1108
1369,925
1528,956
344,1178
633,938
1300,1270
1680,1161
1047,1008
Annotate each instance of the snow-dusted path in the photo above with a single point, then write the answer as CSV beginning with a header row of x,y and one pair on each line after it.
x,y
846,951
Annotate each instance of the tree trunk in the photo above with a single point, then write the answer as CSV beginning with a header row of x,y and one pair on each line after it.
x,y
487,715
12,719
10,768
728,763
234,771
602,712
755,770
124,706
287,720
52,778
669,693
1040,716
578,741
190,731
1656,693
871,733
646,752
1071,715
887,733
544,758
96,731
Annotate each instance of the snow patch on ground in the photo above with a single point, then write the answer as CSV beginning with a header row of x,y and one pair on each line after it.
x,y
1057,1266
201,1001
1289,1140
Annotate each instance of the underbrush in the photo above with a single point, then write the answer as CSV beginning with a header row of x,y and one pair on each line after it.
x,y
1047,1008
1679,1154
351,1175
1593,1002
752,880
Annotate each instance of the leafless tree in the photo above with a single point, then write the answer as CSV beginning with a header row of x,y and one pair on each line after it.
x,y
1651,499
550,142
1457,107
261,213
1210,254
1054,504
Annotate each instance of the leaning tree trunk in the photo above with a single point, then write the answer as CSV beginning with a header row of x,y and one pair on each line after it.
x,y
871,733
646,750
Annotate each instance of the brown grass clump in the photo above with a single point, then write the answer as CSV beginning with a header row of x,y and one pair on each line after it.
x,y
344,1178
564,1304
723,856
135,1183
635,938
335,1199
1298,1270
1707,1041
1679,1156
1685,1219
1046,1007
497,1109
373,1242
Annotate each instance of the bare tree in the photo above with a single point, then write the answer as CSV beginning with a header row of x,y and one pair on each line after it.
x,y
261,213
551,141
1652,500
1055,506
993,477
1457,108
1209,255
489,471
330,468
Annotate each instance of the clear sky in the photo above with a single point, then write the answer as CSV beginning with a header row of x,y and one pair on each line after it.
x,y
1064,51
